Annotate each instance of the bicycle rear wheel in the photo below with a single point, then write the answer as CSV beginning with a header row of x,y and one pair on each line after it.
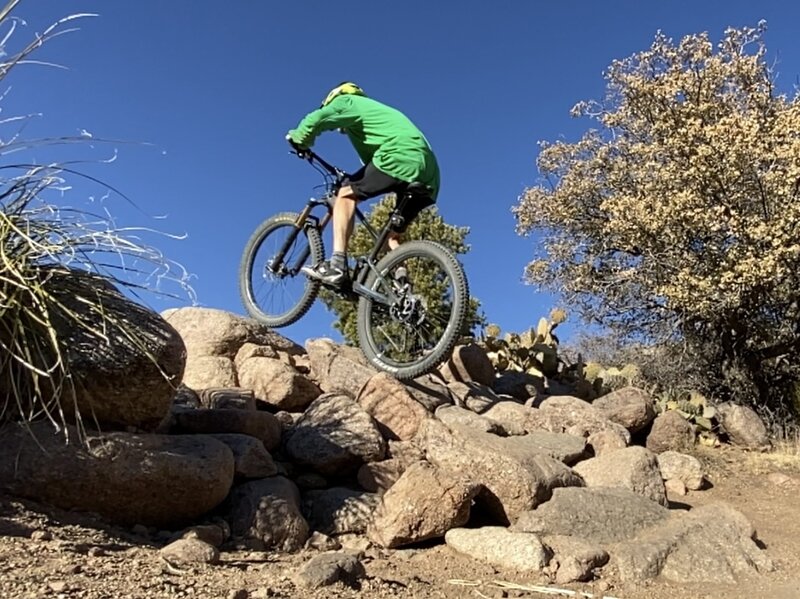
x,y
273,289
417,332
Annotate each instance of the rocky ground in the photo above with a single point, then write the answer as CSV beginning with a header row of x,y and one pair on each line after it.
x,y
52,553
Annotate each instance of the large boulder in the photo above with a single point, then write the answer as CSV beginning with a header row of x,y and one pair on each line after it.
x,y
710,544
124,360
519,385
634,468
277,384
251,459
468,364
670,432
574,560
268,511
155,480
210,332
743,426
395,410
631,407
430,390
206,372
599,515
573,417
338,368
335,435
339,510
515,476
263,426
423,504
679,466
500,547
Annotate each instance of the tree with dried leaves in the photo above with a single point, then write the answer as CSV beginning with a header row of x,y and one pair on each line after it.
x,y
676,217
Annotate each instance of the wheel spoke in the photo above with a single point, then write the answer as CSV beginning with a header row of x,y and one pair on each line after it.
x,y
273,290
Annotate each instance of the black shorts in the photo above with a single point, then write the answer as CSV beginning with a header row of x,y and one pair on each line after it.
x,y
369,182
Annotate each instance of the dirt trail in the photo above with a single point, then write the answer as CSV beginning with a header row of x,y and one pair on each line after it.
x,y
46,553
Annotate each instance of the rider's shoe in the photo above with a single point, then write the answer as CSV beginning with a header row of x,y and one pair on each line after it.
x,y
327,274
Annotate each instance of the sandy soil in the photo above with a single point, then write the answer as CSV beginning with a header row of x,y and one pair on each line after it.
x,y
47,553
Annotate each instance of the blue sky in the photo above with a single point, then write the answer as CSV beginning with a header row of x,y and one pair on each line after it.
x,y
215,86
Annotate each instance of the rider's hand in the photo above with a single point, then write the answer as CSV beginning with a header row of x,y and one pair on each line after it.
x,y
295,146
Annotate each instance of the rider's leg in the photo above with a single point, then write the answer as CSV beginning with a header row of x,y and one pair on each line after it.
x,y
394,240
334,271
343,212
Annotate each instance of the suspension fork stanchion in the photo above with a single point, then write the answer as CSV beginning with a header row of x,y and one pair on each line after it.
x,y
299,224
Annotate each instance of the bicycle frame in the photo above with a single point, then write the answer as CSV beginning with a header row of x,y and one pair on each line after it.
x,y
334,177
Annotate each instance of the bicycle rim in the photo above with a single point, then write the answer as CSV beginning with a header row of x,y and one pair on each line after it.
x,y
277,293
417,332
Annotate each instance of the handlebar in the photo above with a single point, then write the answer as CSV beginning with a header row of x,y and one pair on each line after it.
x,y
312,157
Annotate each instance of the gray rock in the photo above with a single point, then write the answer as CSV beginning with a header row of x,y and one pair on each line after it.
x,y
670,432
606,441
125,377
468,364
564,448
234,398
682,467
395,410
674,486
184,477
308,481
473,396
253,350
423,504
204,372
322,542
276,384
631,407
456,415
574,560
210,332
598,515
519,385
339,510
743,426
377,477
710,544
251,459
634,468
430,390
338,368
335,435
261,425
557,417
514,476
213,534
328,568
520,551
268,511
189,552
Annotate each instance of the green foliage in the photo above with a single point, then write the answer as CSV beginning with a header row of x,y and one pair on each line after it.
x,y
534,351
59,267
695,408
428,225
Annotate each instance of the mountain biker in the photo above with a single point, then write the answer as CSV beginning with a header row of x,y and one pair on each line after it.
x,y
394,153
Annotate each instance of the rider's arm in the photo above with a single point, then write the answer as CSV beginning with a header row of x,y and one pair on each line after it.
x,y
337,114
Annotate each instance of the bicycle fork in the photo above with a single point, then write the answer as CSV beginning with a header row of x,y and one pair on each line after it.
x,y
276,265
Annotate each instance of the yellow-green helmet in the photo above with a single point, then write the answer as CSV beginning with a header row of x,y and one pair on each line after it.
x,y
346,87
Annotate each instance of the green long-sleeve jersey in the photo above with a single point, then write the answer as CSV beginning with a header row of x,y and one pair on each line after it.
x,y
379,133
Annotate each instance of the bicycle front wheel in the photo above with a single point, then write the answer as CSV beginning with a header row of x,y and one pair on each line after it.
x,y
414,334
273,289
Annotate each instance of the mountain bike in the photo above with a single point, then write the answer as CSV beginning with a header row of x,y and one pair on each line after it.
x,y
412,301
